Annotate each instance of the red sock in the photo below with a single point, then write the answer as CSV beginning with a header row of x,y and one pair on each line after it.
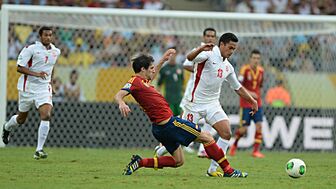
x,y
237,136
257,141
217,154
160,162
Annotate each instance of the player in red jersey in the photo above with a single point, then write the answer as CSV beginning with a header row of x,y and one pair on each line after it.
x,y
171,131
251,76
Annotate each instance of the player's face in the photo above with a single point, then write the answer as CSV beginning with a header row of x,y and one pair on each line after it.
x,y
255,60
149,73
209,37
227,49
46,37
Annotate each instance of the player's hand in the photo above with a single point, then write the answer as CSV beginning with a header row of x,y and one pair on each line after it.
x,y
167,54
43,75
207,47
124,109
254,108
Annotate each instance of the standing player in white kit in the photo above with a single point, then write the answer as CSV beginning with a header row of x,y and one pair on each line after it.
x,y
211,69
35,63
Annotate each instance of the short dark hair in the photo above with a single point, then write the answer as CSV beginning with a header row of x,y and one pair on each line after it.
x,y
227,37
208,29
141,61
255,51
43,28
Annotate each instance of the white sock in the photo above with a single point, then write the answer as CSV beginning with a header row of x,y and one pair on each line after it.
x,y
12,123
161,151
224,144
201,149
42,134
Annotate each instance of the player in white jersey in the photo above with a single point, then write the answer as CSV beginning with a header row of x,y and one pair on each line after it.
x,y
209,36
211,69
35,63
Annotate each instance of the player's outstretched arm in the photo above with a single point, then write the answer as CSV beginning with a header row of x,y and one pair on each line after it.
x,y
242,92
163,59
206,47
123,107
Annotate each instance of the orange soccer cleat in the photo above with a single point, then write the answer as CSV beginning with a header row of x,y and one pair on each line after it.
x,y
233,149
258,154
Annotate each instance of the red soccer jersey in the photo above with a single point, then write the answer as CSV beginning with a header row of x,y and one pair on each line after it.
x,y
153,103
252,80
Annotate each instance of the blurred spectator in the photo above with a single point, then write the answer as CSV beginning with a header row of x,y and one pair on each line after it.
x,y
261,6
153,5
72,89
245,6
58,90
279,6
278,96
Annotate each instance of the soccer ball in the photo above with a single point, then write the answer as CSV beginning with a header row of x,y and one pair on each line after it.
x,y
296,168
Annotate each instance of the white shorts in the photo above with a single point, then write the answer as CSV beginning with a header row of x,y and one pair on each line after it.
x,y
26,100
212,112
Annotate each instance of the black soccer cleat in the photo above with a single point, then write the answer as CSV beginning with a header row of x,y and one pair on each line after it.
x,y
5,135
133,165
40,155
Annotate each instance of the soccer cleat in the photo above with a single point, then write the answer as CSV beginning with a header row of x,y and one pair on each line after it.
x,y
236,174
233,149
214,174
258,154
133,165
40,155
5,135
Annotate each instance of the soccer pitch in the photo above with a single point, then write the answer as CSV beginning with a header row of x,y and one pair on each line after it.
x,y
102,168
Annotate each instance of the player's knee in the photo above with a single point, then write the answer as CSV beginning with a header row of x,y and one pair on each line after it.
x,y
179,163
225,135
46,116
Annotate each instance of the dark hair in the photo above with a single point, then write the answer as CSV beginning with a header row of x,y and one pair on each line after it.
x,y
141,61
43,28
227,37
208,29
255,51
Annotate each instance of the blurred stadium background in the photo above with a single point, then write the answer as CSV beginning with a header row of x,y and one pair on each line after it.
x,y
97,39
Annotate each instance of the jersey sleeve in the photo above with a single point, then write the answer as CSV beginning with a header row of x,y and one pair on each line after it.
x,y
24,56
201,57
131,85
232,79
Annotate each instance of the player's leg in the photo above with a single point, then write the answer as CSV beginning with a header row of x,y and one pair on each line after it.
x,y
258,134
217,154
25,103
207,128
216,116
44,105
45,116
14,122
245,120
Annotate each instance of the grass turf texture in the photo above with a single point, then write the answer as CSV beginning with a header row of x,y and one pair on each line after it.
x,y
102,168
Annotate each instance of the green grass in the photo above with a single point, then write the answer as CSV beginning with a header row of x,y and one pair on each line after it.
x,y
102,168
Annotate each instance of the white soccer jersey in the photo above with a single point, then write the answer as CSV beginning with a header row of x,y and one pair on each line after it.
x,y
37,58
209,73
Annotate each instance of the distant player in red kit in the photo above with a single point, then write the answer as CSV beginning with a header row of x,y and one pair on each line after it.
x,y
171,131
251,77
